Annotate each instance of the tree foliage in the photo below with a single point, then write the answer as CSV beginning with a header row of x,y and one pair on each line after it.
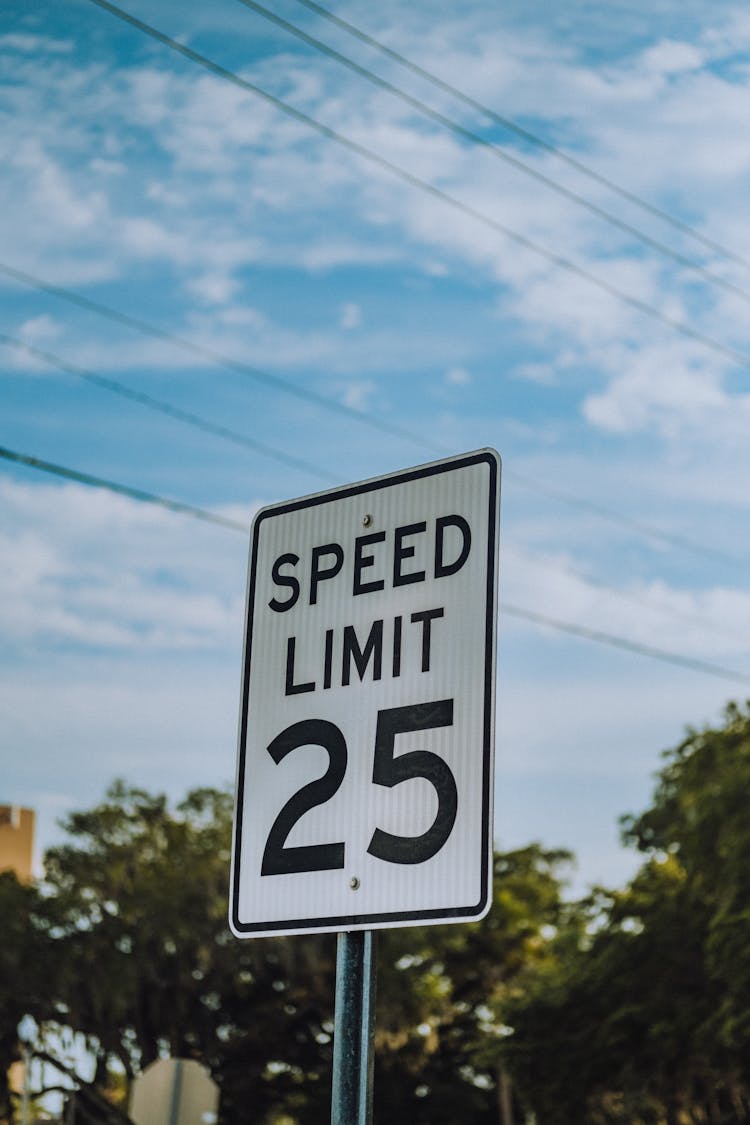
x,y
26,971
629,1008
149,965
647,1020
142,964
444,992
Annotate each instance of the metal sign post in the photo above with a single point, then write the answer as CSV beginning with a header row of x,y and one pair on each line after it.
x,y
351,1096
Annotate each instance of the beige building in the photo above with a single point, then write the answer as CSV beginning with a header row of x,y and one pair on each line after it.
x,y
17,841
17,854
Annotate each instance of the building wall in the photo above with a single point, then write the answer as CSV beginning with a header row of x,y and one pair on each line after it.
x,y
17,854
17,841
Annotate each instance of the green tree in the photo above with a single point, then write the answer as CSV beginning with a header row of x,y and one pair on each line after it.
x,y
26,972
699,821
445,992
145,965
148,966
646,1019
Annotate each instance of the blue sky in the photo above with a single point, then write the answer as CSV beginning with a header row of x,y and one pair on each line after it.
x,y
141,182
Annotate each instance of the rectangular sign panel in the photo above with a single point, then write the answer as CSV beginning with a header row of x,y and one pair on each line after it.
x,y
366,740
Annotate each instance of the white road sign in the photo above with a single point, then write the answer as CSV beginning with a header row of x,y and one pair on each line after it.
x,y
366,738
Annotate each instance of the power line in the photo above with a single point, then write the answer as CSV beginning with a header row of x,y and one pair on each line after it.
x,y
640,527
525,134
740,358
285,386
200,423
188,417
512,610
501,154
622,642
622,595
120,489
211,354
709,342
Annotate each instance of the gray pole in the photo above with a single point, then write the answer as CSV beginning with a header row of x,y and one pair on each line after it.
x,y
351,1100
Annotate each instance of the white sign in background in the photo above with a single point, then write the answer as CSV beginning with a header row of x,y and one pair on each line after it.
x,y
366,743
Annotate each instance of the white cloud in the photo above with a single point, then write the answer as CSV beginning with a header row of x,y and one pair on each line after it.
x,y
351,315
670,57
544,374
170,196
702,623
35,44
40,329
54,194
579,745
457,377
123,623
648,394
236,316
213,288
147,239
331,252
74,726
101,166
357,393
668,390
264,164
86,568
206,127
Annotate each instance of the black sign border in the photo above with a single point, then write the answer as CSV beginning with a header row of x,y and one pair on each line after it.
x,y
387,918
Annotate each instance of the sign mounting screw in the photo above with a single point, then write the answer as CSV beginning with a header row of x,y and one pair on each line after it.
x,y
367,520
354,883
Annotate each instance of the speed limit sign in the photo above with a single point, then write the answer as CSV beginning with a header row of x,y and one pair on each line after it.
x,y
366,735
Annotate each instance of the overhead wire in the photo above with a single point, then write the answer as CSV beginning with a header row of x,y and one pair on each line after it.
x,y
525,558
120,489
615,641
639,527
729,352
499,153
188,417
286,386
525,134
207,516
203,514
198,422
203,351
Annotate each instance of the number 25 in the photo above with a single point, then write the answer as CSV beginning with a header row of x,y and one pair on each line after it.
x,y
388,770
